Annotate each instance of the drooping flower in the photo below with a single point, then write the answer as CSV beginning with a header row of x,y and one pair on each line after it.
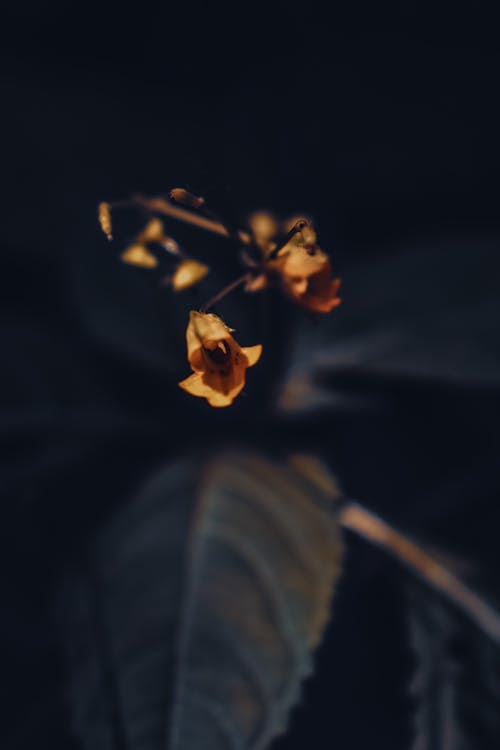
x,y
218,361
304,271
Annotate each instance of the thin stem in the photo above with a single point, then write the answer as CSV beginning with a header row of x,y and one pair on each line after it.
x,y
163,206
227,289
284,240
198,204
372,528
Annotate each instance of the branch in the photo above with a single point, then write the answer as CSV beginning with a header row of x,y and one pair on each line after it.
x,y
372,528
224,292
163,206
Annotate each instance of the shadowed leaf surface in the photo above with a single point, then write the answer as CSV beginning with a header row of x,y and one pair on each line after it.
x,y
427,313
205,596
457,679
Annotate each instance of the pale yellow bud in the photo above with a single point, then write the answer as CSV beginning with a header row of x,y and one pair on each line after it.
x,y
139,255
104,216
187,274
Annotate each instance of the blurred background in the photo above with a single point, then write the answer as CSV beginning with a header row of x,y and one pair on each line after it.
x,y
379,121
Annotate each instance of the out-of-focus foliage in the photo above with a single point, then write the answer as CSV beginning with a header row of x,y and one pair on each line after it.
x,y
429,313
457,678
383,125
229,565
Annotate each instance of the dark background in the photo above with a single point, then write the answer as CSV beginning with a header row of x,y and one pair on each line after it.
x,y
381,121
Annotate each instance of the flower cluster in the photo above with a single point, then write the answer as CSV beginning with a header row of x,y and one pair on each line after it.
x,y
278,255
298,266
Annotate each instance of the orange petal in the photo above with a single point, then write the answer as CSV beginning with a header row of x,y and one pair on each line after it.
x,y
203,328
252,353
298,286
257,284
227,385
219,400
196,386
321,295
317,305
263,226
297,262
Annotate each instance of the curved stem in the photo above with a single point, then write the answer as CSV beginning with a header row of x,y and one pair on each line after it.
x,y
372,528
163,206
227,289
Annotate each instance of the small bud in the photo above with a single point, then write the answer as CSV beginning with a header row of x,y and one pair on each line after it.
x,y
263,226
152,232
257,283
104,216
139,255
187,274
179,195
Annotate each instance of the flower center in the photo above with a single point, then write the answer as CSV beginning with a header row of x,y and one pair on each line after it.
x,y
220,355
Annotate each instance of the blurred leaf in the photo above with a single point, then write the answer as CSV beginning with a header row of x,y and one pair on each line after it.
x,y
205,597
457,679
426,313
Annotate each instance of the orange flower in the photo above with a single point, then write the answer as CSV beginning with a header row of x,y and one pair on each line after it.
x,y
304,271
218,361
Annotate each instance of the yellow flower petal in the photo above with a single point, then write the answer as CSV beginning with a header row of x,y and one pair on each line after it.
x,y
202,329
263,226
152,232
252,353
195,386
188,273
139,255
219,400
